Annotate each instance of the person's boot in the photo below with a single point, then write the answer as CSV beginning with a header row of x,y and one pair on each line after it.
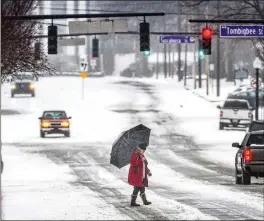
x,y
144,199
133,200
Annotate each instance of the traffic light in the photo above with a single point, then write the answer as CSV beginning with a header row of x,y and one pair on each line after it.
x,y
146,53
95,48
52,39
37,51
144,37
207,34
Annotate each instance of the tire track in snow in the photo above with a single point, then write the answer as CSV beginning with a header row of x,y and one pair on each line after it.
x,y
222,210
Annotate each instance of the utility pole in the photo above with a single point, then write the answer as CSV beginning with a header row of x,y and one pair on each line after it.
x,y
257,94
185,59
165,50
199,64
179,45
169,60
157,65
76,4
218,54
88,45
207,73
194,63
173,62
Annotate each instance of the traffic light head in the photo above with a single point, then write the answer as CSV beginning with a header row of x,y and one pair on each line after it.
x,y
207,34
144,36
95,48
37,51
146,53
52,39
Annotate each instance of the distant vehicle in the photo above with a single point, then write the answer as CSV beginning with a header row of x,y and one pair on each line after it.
x,y
23,84
250,96
96,74
235,113
256,125
54,122
249,160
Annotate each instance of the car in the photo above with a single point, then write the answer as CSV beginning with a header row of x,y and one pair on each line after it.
x,y
249,159
23,84
236,113
256,125
54,122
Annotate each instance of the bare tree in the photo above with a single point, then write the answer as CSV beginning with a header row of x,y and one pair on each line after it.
x,y
17,44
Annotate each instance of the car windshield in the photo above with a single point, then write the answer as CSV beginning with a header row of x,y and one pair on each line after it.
x,y
236,105
25,77
54,115
256,139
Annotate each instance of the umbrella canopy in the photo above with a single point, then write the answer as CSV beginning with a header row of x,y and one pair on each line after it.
x,y
127,143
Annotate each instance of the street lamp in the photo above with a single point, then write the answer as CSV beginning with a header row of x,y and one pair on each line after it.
x,y
257,66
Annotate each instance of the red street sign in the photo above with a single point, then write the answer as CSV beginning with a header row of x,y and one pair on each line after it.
x,y
254,82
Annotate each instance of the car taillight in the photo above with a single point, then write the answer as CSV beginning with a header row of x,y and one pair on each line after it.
x,y
32,86
221,113
65,123
247,155
45,124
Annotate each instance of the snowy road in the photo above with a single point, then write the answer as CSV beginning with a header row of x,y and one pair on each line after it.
x,y
191,161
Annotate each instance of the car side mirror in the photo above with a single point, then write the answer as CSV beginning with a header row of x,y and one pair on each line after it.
x,y
218,106
40,118
236,145
69,117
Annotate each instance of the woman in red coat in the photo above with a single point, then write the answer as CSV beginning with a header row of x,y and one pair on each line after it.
x,y
138,175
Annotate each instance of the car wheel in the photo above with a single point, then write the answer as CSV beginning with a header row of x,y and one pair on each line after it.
x,y
42,134
221,126
67,134
246,178
238,179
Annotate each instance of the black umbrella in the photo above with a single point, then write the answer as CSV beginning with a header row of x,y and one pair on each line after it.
x,y
127,143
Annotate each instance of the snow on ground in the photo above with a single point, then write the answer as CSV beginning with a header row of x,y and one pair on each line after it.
x,y
44,184
34,188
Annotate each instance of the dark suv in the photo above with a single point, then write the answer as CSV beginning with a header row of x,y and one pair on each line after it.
x,y
23,84
256,125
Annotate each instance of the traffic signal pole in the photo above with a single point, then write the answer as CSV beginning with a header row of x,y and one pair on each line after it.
x,y
218,72
207,73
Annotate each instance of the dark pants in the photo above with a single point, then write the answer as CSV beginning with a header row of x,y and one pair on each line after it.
x,y
138,189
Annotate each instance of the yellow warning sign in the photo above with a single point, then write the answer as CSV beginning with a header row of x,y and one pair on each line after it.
x,y
84,75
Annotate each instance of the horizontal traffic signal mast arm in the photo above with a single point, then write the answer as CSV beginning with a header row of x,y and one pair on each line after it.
x,y
233,21
66,16
122,33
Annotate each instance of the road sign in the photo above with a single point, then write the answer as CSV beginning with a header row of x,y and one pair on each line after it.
x,y
254,82
176,39
71,41
241,73
83,75
118,25
242,31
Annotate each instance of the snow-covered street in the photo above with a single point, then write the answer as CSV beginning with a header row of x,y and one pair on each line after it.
x,y
192,161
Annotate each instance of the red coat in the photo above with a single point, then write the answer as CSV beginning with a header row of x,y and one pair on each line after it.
x,y
135,175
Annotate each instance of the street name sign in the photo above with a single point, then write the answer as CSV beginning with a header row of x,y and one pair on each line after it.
x,y
242,31
176,39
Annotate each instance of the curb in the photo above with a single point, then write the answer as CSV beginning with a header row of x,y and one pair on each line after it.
x,y
211,101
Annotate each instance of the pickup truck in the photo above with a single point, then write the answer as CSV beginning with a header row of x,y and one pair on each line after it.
x,y
249,160
54,122
235,112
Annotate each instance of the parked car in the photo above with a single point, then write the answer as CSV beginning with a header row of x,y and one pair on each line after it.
x,y
256,125
54,122
236,113
23,84
249,160
250,96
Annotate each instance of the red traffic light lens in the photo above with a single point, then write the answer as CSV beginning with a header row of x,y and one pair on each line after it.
x,y
207,33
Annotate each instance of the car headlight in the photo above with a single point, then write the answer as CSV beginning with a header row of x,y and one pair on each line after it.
x,y
65,123
45,124
13,86
32,86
